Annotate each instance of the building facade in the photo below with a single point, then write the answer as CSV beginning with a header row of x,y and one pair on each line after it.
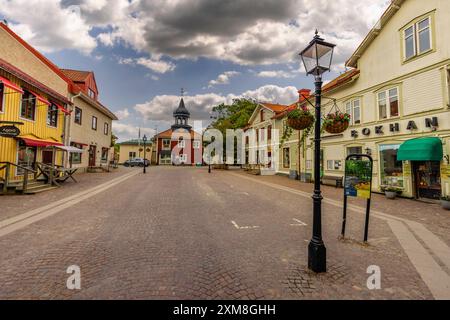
x,y
33,97
179,145
133,149
397,92
90,124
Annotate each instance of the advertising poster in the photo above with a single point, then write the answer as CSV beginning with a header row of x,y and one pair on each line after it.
x,y
358,178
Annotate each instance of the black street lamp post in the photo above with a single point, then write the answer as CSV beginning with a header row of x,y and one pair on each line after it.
x,y
317,59
144,139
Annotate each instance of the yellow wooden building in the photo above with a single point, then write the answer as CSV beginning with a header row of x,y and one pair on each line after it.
x,y
33,98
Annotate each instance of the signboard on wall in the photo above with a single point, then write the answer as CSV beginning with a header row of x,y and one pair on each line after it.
x,y
9,131
358,178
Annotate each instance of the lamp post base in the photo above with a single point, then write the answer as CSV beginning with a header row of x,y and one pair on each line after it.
x,y
317,257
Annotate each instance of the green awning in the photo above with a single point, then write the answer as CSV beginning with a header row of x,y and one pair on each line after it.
x,y
421,149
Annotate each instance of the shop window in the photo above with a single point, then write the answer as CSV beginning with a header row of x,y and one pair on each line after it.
x,y
353,108
78,115
391,170
286,158
52,115
388,104
354,150
75,158
2,91
105,155
28,105
94,123
334,164
106,128
26,158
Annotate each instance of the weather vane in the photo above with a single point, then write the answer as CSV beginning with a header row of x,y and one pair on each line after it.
x,y
182,92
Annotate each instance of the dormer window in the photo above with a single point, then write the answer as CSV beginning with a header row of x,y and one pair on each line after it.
x,y
91,93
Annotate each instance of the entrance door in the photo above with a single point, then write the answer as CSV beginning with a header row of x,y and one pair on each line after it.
x,y
92,154
427,176
47,156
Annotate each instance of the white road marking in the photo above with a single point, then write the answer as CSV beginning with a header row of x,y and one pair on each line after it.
x,y
243,228
22,220
298,224
437,280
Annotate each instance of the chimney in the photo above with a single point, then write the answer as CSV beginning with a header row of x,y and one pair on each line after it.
x,y
303,93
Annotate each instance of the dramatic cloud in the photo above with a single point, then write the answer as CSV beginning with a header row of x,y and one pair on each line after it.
x,y
253,32
48,25
156,65
223,78
160,108
276,74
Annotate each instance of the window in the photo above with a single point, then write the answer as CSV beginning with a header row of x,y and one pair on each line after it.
x,y
78,115
75,158
91,93
354,150
166,144
417,38
105,155
94,123
2,89
132,155
334,164
181,143
448,85
286,158
388,104
28,106
353,108
106,128
391,169
196,144
269,133
26,158
183,157
261,115
52,115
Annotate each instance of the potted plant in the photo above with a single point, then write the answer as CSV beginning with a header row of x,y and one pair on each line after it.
x,y
445,202
391,192
336,122
300,119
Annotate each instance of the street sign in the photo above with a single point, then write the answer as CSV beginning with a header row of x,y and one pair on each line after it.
x,y
358,183
9,131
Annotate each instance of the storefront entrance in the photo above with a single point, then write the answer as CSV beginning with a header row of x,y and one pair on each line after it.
x,y
92,154
47,156
427,179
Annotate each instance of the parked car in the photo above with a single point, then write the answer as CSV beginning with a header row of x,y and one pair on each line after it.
x,y
137,162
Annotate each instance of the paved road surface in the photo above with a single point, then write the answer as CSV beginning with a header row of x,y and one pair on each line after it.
x,y
183,233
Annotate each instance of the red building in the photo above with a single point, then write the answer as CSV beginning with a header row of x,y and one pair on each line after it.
x,y
179,145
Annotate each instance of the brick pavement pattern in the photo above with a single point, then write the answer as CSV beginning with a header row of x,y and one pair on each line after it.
x,y
169,235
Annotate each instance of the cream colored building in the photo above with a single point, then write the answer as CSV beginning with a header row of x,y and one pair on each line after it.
x,y
90,123
396,90
133,149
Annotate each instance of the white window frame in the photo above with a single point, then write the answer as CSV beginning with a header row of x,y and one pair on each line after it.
x,y
96,123
350,109
163,147
106,128
388,103
196,144
181,144
416,38
183,157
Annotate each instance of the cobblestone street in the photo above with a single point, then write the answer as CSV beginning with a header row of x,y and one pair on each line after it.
x,y
181,233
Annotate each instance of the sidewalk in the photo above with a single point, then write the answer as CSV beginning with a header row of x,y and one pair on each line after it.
x,y
12,205
433,216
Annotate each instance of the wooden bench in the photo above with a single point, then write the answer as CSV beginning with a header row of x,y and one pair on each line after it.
x,y
336,181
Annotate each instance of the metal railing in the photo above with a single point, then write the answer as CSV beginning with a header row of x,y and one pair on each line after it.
x,y
7,166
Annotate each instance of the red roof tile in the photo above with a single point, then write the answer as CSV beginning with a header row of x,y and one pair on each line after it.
x,y
76,75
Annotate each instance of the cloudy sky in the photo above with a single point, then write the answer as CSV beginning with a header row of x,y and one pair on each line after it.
x,y
144,51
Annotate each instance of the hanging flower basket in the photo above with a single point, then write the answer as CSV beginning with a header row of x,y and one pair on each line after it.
x,y
300,119
336,122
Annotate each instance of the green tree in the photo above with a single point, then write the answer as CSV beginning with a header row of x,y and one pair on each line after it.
x,y
233,116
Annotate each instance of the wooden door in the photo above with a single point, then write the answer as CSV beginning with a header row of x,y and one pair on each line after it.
x,y
92,154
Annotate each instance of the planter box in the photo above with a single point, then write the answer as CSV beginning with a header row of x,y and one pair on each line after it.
x,y
391,194
445,204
